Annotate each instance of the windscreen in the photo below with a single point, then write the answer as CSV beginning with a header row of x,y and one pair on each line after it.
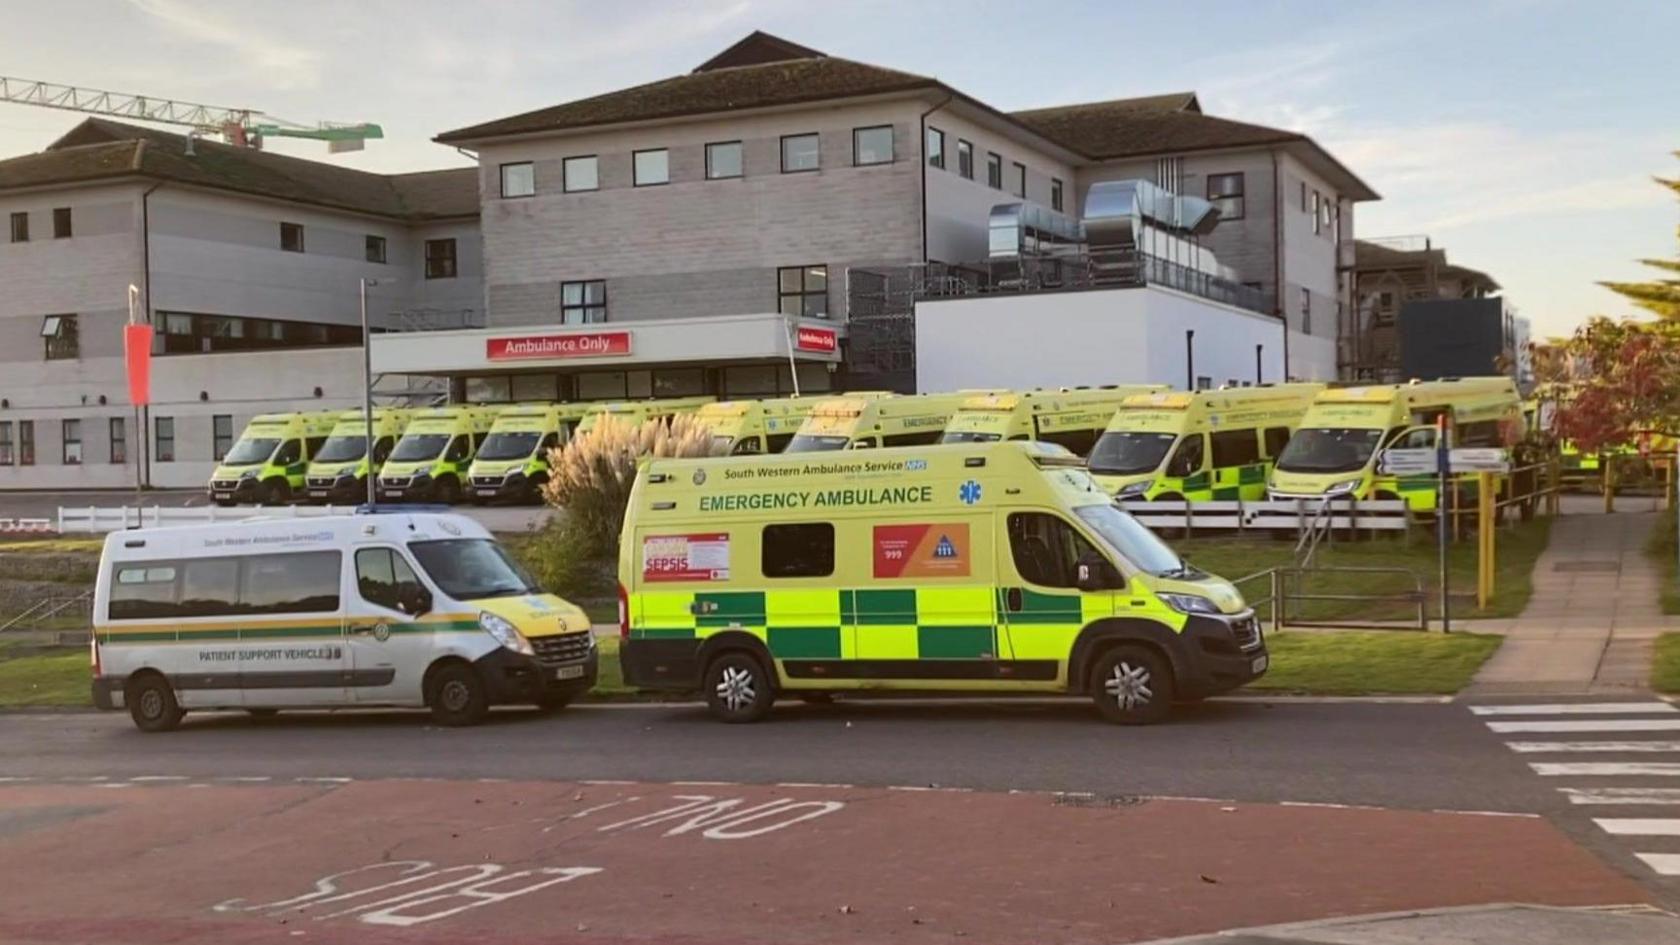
x,y
508,445
804,443
472,568
1326,450
342,449
1127,454
721,445
419,446
246,452
956,436
1137,544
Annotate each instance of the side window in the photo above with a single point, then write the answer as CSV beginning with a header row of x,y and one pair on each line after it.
x,y
747,445
209,588
290,452
1276,439
1484,433
458,450
863,443
315,444
912,439
1187,459
305,583
548,442
805,549
1046,550
1234,448
778,442
383,577
1418,438
382,448
1079,441
142,591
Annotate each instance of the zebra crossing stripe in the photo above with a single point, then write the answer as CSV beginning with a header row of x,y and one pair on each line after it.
x,y
1576,708
1639,827
1553,769
1548,747
1638,796
1665,864
1587,725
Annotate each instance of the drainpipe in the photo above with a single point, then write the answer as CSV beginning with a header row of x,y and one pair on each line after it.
x,y
1259,371
921,146
144,414
1277,258
1189,359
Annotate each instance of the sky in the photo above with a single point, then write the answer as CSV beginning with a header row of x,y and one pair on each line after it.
x,y
1520,135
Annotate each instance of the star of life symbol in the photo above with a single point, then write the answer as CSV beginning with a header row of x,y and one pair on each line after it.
x,y
969,492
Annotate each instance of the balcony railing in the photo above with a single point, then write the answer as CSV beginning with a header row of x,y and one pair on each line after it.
x,y
1082,271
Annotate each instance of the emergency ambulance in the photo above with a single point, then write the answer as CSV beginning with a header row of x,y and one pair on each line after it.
x,y
1201,445
1072,418
338,471
742,427
391,609
268,463
431,460
512,463
996,568
1335,451
634,413
871,420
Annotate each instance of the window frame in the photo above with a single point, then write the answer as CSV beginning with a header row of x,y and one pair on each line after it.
x,y
20,226
805,290
116,430
1240,196
585,305
374,248
1317,227
393,556
636,170
453,258
1222,442
740,160
8,445
291,228
1056,194
64,223
783,152
935,155
965,159
70,434
26,443
220,442
566,173
782,573
502,179
161,454
892,145
64,343
994,162
1020,179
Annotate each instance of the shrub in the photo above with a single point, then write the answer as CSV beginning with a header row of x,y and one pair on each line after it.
x,y
590,477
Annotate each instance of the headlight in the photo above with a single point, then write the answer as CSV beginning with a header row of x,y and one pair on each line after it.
x,y
1189,603
1346,485
250,474
347,471
1137,488
505,633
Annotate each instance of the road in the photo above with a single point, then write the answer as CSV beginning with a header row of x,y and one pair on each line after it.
x,y
862,821
45,505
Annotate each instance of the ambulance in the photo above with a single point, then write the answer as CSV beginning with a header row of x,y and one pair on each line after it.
x,y
1336,450
997,568
634,413
1200,445
741,427
268,464
431,460
870,420
1073,418
338,471
512,463
350,611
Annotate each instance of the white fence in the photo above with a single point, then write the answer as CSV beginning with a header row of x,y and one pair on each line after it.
x,y
1271,514
100,519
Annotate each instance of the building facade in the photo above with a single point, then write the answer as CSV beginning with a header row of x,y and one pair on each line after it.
x,y
1395,272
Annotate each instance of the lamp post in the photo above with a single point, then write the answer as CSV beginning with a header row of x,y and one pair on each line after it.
x,y
367,392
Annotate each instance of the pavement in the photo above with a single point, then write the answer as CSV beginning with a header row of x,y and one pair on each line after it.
x,y
1503,924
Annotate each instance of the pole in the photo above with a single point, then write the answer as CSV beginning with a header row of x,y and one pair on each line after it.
x,y
1484,539
793,366
1607,478
1189,359
1443,470
367,394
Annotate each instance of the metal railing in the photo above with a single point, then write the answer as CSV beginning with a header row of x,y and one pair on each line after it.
x,y
1285,591
1270,515
50,607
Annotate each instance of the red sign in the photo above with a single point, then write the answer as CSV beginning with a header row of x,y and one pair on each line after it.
x,y
137,351
939,550
573,344
821,340
685,557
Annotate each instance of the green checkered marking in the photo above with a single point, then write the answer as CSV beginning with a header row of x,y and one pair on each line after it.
x,y
722,608
1037,607
880,607
1252,474
955,643
805,643
1234,492
1198,481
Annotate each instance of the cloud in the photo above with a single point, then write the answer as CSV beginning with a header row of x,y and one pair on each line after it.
x,y
282,66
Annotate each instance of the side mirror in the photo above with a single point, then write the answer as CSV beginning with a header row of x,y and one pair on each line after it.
x,y
1097,574
416,601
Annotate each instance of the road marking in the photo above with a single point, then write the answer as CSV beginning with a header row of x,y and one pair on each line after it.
x,y
1588,725
815,784
1488,813
1576,708
1664,864
322,780
1543,747
1552,769
1630,796
245,779
158,777
1640,827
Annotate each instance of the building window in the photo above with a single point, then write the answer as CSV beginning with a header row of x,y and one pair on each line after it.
x,y
1317,228
872,145
802,291
165,438
72,442
649,168
20,227
1306,311
965,159
62,227
1055,195
375,247
6,449
799,153
1325,214
936,148
186,333
1019,187
1225,191
119,440
519,180
26,442
580,173
221,436
583,303
291,237
62,337
440,259
1303,196
994,170
723,160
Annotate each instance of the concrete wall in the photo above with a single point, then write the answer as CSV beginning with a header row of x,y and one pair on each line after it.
x,y
1110,336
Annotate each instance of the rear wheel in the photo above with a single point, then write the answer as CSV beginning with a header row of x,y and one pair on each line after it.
x,y
457,696
1132,685
738,688
275,492
449,490
152,705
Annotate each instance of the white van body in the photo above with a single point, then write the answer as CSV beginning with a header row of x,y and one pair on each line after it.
x,y
354,610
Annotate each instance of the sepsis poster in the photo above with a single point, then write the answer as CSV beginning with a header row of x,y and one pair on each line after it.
x,y
685,557
931,550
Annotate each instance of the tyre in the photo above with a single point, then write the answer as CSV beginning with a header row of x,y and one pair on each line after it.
x,y
738,688
152,705
457,696
275,492
554,702
1132,685
448,490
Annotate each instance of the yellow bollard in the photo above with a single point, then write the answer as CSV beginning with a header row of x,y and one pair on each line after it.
x,y
1607,477
1554,474
1484,539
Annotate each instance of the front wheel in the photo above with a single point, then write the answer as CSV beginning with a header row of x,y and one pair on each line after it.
x,y
458,696
738,688
152,705
275,492
554,702
1132,685
448,491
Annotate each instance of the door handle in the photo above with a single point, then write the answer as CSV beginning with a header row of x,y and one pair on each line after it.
x,y
703,607
1012,599
365,630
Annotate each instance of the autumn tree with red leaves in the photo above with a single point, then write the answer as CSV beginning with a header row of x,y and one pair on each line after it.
x,y
1627,384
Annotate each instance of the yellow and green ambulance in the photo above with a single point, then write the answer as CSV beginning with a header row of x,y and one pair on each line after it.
x,y
1070,417
865,420
1336,450
338,471
743,427
431,460
634,413
512,463
269,462
1200,445
999,568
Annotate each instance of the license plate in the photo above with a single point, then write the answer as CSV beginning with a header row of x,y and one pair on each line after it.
x,y
317,493
569,672
1260,663
393,493
487,492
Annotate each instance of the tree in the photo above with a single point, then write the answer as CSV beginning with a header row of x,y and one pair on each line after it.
x,y
1661,296
590,477
1627,383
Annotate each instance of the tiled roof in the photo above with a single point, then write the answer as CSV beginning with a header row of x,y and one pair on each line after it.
x,y
1155,124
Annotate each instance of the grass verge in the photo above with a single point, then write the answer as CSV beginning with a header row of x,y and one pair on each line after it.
x,y
1389,662
52,678
1661,549
1665,666
52,546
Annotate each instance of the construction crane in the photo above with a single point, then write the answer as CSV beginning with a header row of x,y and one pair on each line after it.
x,y
245,127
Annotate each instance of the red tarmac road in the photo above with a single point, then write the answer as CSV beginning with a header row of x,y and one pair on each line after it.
x,y
394,861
